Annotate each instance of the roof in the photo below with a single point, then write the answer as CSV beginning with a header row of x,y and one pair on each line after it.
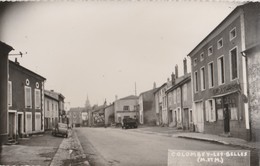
x,y
217,27
160,87
151,90
129,97
180,81
4,48
23,68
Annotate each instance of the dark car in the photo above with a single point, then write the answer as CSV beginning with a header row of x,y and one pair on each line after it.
x,y
129,123
60,129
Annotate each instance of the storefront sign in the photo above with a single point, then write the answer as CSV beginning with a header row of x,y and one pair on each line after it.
x,y
208,158
226,89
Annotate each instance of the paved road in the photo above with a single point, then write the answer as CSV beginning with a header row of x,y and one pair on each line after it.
x,y
113,146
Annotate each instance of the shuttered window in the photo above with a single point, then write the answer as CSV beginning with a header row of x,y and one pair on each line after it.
x,y
37,94
10,93
28,97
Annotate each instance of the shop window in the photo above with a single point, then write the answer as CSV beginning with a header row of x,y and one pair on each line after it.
x,y
219,109
210,110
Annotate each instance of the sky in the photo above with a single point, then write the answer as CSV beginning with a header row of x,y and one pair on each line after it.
x,y
99,49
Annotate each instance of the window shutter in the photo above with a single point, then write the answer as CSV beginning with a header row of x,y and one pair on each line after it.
x,y
214,111
207,110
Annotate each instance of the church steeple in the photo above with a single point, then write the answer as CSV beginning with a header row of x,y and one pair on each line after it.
x,y
87,104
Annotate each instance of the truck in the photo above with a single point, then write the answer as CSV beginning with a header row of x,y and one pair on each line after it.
x,y
129,123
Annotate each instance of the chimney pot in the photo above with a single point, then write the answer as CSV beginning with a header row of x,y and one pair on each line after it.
x,y
185,66
176,71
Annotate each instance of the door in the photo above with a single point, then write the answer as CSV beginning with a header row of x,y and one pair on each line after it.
x,y
186,119
11,125
226,117
20,125
200,116
170,116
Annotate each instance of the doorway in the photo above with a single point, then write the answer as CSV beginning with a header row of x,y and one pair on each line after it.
x,y
226,117
185,119
11,125
20,125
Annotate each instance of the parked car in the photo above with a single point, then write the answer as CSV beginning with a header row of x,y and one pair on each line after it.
x,y
129,123
60,129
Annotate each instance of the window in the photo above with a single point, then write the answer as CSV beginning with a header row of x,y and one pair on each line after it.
x,y
232,34
196,81
126,108
210,51
211,74
178,95
202,78
179,115
233,63
195,62
174,97
9,93
185,92
202,56
48,105
221,72
220,43
210,110
37,95
28,97
37,121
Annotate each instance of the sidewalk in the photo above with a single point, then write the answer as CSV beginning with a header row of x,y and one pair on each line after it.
x,y
70,152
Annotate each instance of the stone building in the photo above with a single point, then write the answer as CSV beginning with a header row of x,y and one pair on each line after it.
x,y
219,79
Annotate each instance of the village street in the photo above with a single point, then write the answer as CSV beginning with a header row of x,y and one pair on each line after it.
x,y
115,146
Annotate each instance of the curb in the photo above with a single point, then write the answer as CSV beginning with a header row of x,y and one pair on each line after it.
x,y
216,141
66,149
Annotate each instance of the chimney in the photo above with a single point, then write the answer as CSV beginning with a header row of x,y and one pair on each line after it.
x,y
154,85
16,62
116,98
176,71
173,78
185,66
52,90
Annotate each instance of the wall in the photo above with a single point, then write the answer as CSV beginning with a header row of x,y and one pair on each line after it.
x,y
18,76
109,115
254,92
119,105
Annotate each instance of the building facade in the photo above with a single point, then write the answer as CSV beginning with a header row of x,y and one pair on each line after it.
x,y
25,100
51,100
219,80
75,116
161,105
146,105
126,107
253,65
110,115
179,101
